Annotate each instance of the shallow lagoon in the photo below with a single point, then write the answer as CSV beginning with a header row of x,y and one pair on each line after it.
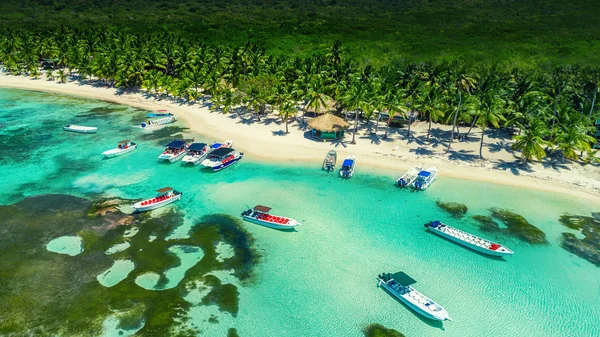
x,y
68,245
320,280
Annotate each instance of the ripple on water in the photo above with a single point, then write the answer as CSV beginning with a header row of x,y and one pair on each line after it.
x,y
188,257
68,245
117,273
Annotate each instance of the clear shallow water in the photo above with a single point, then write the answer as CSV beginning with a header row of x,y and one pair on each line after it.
x,y
68,245
188,257
320,280
116,273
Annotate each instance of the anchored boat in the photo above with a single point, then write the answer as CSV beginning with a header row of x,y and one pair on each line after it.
x,y
260,216
468,240
80,128
124,146
329,161
348,166
425,178
165,196
408,295
175,150
160,121
408,177
222,158
196,153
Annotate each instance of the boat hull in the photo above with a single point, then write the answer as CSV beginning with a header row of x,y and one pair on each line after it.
x,y
412,306
118,152
139,208
193,160
469,245
272,225
172,159
87,130
218,167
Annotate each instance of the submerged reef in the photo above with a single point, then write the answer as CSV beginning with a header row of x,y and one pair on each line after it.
x,y
378,330
516,226
457,210
587,248
164,134
49,294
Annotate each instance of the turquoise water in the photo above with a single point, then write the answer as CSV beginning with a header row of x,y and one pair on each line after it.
x,y
116,273
320,280
69,245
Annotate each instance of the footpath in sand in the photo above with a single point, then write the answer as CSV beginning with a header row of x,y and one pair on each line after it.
x,y
267,140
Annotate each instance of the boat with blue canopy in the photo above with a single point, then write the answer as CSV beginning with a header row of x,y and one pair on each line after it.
x,y
348,167
425,178
222,158
174,151
196,153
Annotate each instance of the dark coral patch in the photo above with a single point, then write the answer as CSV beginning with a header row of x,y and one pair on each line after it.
x,y
587,248
456,209
378,330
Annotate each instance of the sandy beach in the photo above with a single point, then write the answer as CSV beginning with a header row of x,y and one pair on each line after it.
x,y
268,141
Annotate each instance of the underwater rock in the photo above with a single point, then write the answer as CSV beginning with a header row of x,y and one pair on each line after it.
x,y
516,226
587,248
232,332
163,134
457,210
225,296
378,330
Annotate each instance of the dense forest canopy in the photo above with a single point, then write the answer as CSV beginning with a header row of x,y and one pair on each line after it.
x,y
378,32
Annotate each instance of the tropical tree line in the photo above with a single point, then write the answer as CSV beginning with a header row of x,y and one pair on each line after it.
x,y
548,110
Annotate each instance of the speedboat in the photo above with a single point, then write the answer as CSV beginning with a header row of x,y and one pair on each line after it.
x,y
124,146
196,153
160,121
175,150
425,178
160,113
216,145
80,128
222,158
408,177
165,196
260,216
329,161
408,295
347,170
468,240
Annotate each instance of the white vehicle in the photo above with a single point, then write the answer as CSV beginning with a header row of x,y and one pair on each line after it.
x,y
408,295
80,128
165,196
260,216
425,178
160,121
222,158
175,150
468,240
125,146
408,177
348,167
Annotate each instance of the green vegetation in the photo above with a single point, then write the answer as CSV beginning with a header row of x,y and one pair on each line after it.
x,y
587,248
516,226
49,294
457,210
378,330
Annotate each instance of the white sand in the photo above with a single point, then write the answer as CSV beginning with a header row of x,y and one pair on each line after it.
x,y
266,140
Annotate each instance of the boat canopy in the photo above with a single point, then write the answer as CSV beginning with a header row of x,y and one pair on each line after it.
x,y
176,143
221,152
216,145
164,190
435,223
424,174
348,162
403,278
124,141
262,209
197,147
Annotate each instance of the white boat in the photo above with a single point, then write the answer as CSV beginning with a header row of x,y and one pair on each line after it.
x,y
125,146
165,196
175,150
408,295
196,153
468,240
223,145
222,158
408,177
425,178
80,128
329,161
348,166
260,216
160,121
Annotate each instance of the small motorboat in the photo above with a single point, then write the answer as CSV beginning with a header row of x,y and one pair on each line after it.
x,y
175,150
124,146
223,145
260,216
329,161
468,240
347,170
222,158
408,177
425,178
196,153
80,128
160,121
160,113
165,196
408,295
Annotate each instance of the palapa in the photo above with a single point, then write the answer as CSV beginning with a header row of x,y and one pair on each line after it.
x,y
328,123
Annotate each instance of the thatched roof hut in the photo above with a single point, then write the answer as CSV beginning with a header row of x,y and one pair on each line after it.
x,y
328,123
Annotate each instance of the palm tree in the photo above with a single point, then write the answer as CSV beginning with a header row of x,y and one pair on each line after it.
x,y
464,84
490,109
573,138
62,76
316,96
355,99
532,143
287,110
433,104
50,75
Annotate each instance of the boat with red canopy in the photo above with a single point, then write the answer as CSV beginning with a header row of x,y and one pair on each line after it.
x,y
166,195
468,240
260,215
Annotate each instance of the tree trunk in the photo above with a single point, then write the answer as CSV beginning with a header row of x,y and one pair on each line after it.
x,y
377,124
481,144
355,126
472,123
386,129
286,126
554,116
455,120
593,101
408,134
429,129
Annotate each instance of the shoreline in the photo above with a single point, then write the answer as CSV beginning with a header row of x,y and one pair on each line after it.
x,y
266,141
